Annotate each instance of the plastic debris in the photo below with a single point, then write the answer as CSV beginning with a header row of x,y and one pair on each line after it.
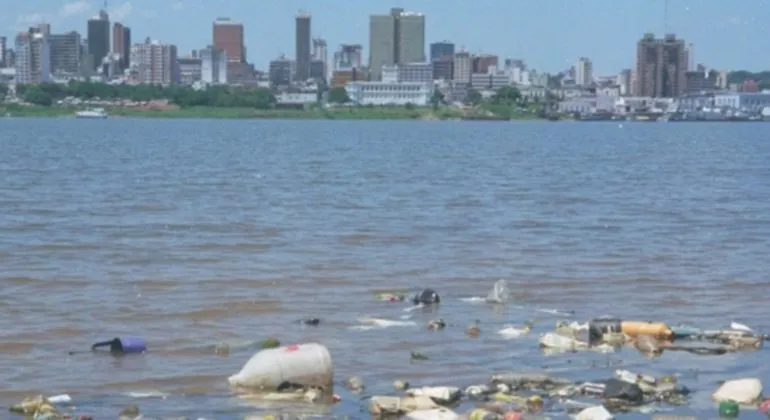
x,y
400,385
433,414
304,364
437,324
354,384
382,405
510,331
742,391
271,343
36,407
729,409
130,413
426,297
440,394
499,292
474,330
597,412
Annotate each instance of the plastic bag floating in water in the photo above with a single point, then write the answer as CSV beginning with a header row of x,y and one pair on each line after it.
x,y
499,293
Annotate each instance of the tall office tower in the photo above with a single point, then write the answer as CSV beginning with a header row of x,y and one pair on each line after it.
x,y
156,63
584,72
396,38
441,49
66,54
33,58
121,43
3,52
228,36
661,66
302,47
99,38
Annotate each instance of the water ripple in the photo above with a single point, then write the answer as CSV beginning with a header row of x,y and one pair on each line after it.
x,y
190,233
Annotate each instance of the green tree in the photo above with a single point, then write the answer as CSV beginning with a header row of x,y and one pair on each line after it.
x,y
473,97
437,99
507,95
338,95
37,96
3,91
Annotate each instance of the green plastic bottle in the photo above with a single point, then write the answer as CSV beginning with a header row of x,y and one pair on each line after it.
x,y
729,409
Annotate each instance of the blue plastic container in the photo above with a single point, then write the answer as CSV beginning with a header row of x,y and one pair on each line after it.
x,y
125,345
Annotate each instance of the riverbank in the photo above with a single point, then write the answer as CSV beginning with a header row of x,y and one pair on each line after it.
x,y
342,113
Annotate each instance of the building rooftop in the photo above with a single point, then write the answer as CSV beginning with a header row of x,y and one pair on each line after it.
x,y
225,21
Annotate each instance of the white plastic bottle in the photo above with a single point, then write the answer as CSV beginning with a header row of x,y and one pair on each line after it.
x,y
307,364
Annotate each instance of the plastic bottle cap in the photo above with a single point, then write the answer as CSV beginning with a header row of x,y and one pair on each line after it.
x,y
729,409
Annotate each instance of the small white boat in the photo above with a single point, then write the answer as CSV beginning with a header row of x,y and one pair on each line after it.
x,y
92,113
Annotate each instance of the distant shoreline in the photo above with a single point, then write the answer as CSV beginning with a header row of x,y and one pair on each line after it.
x,y
340,113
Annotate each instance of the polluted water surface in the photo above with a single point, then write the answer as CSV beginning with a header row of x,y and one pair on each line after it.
x,y
204,241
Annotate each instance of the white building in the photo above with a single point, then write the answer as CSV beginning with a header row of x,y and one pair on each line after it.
x,y
382,93
33,59
154,63
584,72
390,74
742,101
213,66
462,67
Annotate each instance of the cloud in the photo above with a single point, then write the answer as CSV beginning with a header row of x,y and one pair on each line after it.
x,y
76,7
178,6
23,22
121,12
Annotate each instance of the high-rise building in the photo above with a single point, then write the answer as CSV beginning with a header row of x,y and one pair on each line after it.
x,y
396,38
190,70
443,67
625,82
155,63
321,53
348,56
213,65
483,63
228,36
99,38
66,54
441,49
3,53
661,66
584,72
33,58
302,47
44,29
462,67
121,43
281,72
411,38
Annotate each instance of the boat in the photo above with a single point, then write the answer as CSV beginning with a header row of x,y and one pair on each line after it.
x,y
92,113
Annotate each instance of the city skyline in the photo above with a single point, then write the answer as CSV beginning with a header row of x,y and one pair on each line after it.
x,y
723,38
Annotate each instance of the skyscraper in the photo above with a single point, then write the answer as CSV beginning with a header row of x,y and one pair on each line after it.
x,y
396,38
584,72
228,36
99,38
3,53
156,63
661,66
121,43
33,58
302,47
441,49
66,53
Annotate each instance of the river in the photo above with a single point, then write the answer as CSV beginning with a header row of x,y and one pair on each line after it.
x,y
193,232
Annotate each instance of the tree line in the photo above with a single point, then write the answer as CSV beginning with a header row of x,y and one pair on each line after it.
x,y
215,96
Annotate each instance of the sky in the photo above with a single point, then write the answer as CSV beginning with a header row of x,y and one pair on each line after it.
x,y
550,35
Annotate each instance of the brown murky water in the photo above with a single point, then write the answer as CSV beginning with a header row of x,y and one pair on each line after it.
x,y
191,233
